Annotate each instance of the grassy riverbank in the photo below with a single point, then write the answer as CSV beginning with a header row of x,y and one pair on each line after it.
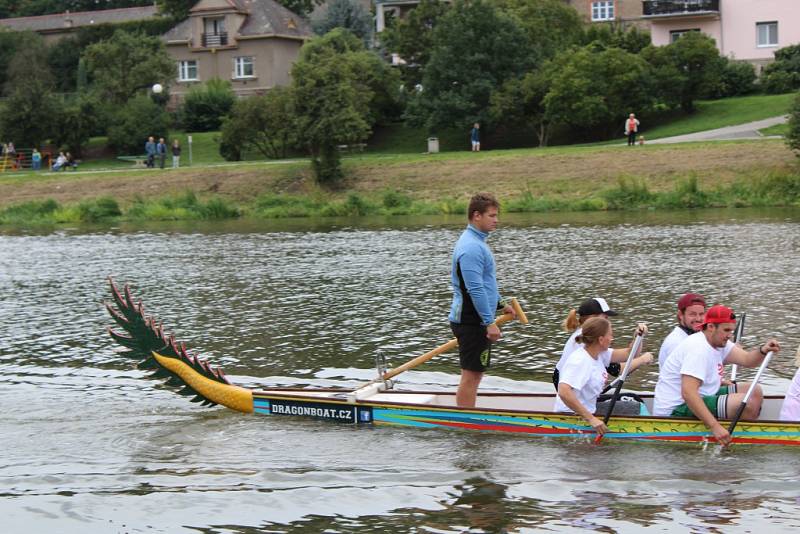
x,y
743,173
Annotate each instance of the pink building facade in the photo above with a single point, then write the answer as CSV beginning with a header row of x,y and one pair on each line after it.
x,y
749,30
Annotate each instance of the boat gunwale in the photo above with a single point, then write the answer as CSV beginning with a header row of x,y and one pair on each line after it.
x,y
367,402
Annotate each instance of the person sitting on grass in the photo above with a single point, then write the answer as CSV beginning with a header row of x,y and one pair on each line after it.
x,y
71,162
61,160
584,374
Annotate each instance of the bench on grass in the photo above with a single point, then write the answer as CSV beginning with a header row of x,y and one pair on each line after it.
x,y
139,162
356,147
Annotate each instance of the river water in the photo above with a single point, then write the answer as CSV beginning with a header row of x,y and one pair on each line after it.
x,y
89,444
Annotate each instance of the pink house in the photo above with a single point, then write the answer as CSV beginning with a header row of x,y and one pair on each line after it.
x,y
749,30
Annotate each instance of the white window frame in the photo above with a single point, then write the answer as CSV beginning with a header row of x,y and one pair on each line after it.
x,y
770,33
603,10
239,64
183,70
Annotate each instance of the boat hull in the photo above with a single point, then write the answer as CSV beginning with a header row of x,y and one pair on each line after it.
x,y
384,410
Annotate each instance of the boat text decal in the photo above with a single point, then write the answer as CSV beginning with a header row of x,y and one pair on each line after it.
x,y
308,409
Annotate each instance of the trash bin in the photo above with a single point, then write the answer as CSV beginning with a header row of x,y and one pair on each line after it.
x,y
433,145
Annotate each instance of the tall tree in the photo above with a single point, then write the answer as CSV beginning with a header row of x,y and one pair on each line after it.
x,y
594,89
337,87
128,64
265,124
26,116
691,68
412,38
551,25
347,14
476,48
519,102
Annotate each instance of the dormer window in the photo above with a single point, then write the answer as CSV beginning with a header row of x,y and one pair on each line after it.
x,y
214,33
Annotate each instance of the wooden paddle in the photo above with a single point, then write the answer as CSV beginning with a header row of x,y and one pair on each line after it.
x,y
752,388
637,346
737,336
453,343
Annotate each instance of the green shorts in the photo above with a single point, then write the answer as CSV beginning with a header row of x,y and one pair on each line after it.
x,y
717,404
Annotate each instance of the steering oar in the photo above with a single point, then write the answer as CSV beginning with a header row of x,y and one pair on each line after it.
x,y
377,385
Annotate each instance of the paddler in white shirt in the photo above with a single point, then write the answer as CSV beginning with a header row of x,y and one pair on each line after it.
x,y
691,309
690,381
583,375
593,307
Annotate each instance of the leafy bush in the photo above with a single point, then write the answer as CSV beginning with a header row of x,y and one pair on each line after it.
x,y
628,193
793,137
98,209
395,199
28,212
780,82
134,122
783,74
738,78
206,105
182,207
265,124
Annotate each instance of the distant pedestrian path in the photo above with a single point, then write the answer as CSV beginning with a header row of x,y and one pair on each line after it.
x,y
748,130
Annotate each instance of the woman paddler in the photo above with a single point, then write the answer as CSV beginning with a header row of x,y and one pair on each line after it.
x,y
594,307
584,375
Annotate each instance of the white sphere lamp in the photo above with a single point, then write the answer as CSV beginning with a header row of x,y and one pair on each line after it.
x,y
157,88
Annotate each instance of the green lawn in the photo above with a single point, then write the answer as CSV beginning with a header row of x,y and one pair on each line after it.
x,y
713,114
778,129
401,139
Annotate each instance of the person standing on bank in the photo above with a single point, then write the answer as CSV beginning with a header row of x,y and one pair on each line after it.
x,y
475,137
176,154
475,297
150,150
161,150
631,129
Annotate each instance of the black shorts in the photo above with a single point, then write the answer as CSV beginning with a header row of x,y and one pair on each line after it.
x,y
474,348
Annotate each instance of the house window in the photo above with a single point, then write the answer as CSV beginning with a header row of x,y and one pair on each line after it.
x,y
674,35
187,71
603,10
244,67
767,33
215,26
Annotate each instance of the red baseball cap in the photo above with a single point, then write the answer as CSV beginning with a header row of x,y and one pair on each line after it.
x,y
719,314
690,299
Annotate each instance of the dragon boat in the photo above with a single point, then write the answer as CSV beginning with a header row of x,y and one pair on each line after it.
x,y
143,339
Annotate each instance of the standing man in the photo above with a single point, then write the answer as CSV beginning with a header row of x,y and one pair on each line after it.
x,y
690,381
475,297
161,150
691,309
150,150
631,128
475,137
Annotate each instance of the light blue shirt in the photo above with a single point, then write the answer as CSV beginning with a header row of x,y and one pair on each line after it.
x,y
476,262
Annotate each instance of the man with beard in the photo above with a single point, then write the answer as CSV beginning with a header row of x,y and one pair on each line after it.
x,y
691,308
